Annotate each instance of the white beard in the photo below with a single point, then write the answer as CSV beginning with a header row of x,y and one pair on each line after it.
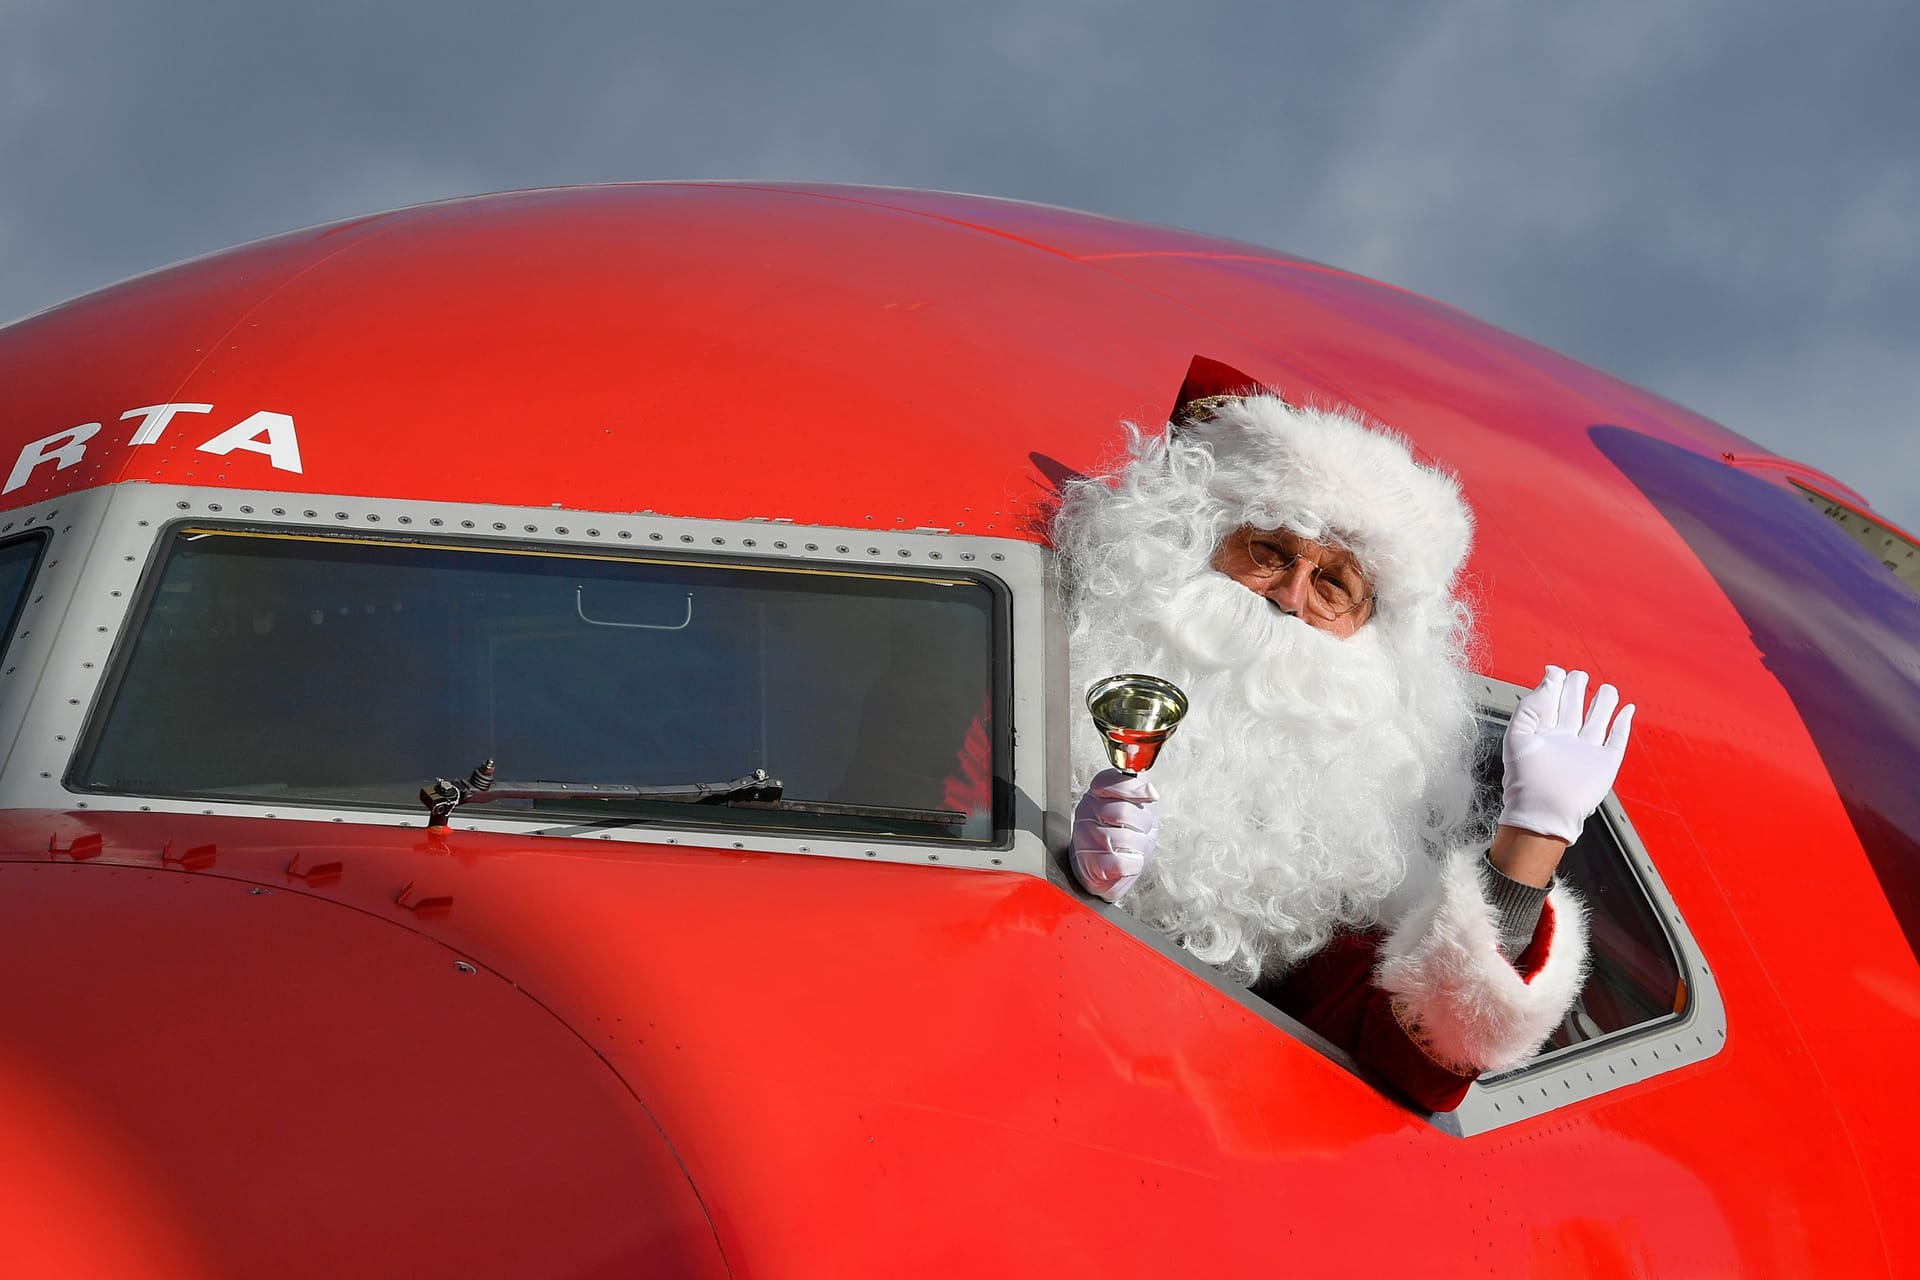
x,y
1314,775
1311,776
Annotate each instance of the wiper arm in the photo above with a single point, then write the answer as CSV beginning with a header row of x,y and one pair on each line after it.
x,y
752,791
841,809
442,796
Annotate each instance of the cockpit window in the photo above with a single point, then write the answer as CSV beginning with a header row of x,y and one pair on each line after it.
x,y
1883,542
346,672
1635,978
18,559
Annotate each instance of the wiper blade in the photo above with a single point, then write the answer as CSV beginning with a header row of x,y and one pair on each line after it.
x,y
835,808
442,796
751,791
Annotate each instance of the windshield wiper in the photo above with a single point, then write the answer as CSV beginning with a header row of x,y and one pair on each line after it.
x,y
752,791
442,796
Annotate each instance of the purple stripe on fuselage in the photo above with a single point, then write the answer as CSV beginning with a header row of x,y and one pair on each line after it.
x,y
1840,632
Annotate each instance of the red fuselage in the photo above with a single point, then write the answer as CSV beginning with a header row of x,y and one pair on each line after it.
x,y
249,1039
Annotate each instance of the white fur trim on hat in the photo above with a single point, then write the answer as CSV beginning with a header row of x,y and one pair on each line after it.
x,y
1453,991
1330,475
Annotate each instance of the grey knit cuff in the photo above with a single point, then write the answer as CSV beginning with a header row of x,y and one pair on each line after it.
x,y
1517,907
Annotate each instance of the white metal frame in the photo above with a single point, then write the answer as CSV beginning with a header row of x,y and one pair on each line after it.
x,y
1598,1066
106,543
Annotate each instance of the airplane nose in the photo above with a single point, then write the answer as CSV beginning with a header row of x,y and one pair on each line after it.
x,y
205,1077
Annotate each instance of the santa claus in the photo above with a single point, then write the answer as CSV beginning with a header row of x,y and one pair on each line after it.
x,y
1312,831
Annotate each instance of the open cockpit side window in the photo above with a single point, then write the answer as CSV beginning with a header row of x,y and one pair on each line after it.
x,y
1650,1002
271,665
1634,977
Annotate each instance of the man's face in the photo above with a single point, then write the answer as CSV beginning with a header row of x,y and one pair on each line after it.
x,y
1319,583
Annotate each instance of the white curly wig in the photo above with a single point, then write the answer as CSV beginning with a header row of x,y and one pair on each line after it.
x,y
1314,774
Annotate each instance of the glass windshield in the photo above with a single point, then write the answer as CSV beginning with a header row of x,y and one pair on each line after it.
x,y
18,559
275,665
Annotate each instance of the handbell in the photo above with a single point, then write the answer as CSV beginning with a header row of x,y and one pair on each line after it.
x,y
1135,714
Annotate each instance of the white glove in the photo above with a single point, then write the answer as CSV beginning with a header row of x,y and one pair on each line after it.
x,y
1113,833
1559,769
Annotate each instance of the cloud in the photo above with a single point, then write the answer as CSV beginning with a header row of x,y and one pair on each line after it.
x,y
1707,199
1711,201
1841,403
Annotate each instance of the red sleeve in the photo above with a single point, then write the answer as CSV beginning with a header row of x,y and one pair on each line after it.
x,y
1334,994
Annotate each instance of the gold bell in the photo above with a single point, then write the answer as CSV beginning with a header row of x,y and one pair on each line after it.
x,y
1135,714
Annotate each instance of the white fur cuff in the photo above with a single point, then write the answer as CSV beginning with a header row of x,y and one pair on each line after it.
x,y
1457,996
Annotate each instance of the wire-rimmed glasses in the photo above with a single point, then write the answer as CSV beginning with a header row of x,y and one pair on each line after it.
x,y
1336,586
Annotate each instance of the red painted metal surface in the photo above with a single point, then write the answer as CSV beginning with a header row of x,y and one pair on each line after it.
x,y
878,1069
864,1068
204,1076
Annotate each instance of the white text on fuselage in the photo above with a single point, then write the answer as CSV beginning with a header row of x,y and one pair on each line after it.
x,y
266,433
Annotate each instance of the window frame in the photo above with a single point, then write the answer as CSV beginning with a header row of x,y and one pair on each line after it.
x,y
174,535
1874,534
137,530
1554,1079
11,619
67,524
1559,1077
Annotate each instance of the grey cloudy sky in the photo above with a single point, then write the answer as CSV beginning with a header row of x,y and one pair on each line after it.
x,y
1719,201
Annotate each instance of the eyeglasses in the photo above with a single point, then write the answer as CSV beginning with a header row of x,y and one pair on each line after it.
x,y
1335,590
